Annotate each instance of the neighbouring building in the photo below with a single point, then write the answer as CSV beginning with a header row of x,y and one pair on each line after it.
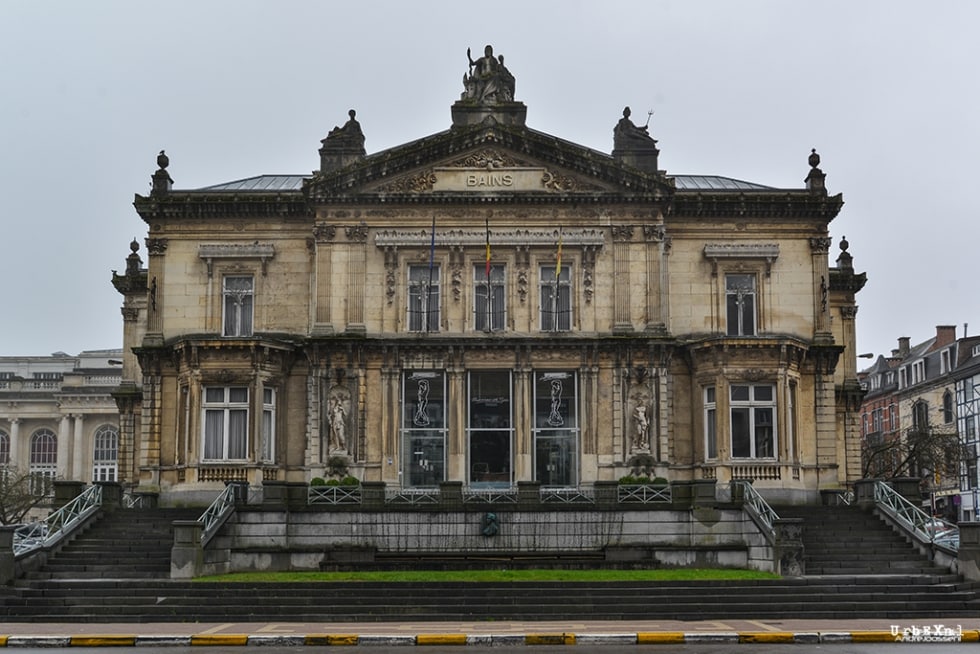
x,y
489,304
58,419
921,401
967,376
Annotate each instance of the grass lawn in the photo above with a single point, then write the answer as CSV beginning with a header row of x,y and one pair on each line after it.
x,y
415,576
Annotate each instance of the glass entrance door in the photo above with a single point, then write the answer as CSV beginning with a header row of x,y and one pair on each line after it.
x,y
489,429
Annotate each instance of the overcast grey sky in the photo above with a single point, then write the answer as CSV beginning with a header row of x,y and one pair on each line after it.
x,y
886,91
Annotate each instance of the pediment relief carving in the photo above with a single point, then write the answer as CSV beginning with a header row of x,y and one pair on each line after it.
x,y
486,170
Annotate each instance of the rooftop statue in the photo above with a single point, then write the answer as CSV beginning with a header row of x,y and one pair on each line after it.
x,y
487,81
349,135
626,135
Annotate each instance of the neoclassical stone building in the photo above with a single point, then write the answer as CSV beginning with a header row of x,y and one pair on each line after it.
x,y
489,304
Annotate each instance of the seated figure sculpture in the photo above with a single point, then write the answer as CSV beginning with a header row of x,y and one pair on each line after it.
x,y
487,81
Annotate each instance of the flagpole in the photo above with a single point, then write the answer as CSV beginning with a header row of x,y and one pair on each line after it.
x,y
554,299
432,262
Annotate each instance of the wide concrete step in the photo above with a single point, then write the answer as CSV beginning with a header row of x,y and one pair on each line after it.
x,y
130,602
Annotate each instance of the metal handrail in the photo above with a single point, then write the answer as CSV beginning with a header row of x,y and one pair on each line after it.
x,y
925,527
60,523
216,514
758,507
412,495
643,493
334,495
567,495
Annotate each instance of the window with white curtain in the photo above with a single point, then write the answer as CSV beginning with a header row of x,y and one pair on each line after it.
x,y
225,423
237,298
268,425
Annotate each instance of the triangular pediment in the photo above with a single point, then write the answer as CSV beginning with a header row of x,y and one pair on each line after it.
x,y
487,159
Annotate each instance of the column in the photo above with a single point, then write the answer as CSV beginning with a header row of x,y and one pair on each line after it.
x,y
15,448
622,235
323,235
63,441
356,271
657,248
78,468
819,249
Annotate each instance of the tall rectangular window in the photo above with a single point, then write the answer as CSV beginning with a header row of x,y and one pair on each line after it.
x,y
710,424
556,428
753,411
225,423
489,303
423,298
237,301
423,428
268,445
556,299
105,458
741,305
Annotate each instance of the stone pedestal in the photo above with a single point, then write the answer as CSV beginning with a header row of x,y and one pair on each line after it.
x,y
187,553
112,494
968,556
788,548
451,495
373,495
65,491
6,555
504,113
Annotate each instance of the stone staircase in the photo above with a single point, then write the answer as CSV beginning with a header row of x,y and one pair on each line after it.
x,y
124,544
852,541
117,571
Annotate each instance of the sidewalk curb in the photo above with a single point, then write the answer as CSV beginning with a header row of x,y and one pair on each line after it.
x,y
557,638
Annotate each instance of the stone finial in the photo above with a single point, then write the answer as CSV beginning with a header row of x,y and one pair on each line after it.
x,y
133,261
845,261
815,179
161,182
343,146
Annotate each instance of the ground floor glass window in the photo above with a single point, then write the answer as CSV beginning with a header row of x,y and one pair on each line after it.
x,y
556,428
423,433
490,433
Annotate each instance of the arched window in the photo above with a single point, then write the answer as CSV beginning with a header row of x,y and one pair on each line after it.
x,y
105,460
44,461
4,448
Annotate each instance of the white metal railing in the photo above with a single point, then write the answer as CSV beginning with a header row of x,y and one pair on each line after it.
x,y
412,495
334,495
490,495
644,493
216,514
842,498
567,495
55,526
758,507
925,527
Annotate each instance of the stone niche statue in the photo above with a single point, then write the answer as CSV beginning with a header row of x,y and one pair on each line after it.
x,y
641,428
338,422
487,81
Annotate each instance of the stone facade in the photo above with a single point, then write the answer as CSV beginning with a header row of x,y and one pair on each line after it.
x,y
58,419
490,304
